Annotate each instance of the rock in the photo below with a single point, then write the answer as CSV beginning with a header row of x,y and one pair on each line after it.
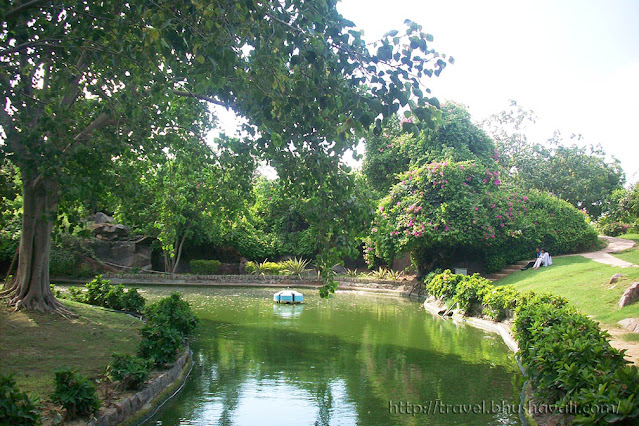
x,y
630,324
109,231
100,217
130,254
339,269
630,295
615,278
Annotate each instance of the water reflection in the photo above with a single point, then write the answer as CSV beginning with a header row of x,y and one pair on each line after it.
x,y
341,361
287,311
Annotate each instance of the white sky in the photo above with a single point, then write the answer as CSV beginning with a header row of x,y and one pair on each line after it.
x,y
575,63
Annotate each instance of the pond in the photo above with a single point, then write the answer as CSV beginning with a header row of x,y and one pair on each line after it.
x,y
353,359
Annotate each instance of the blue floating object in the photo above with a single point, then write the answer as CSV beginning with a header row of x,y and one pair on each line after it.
x,y
288,296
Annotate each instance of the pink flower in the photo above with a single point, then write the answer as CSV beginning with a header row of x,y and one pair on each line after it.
x,y
484,180
501,224
381,208
498,216
497,182
492,236
476,209
461,167
492,206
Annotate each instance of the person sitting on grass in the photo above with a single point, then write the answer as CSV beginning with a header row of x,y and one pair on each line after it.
x,y
543,260
531,264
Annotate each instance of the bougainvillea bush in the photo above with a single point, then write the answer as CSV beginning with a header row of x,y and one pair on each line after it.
x,y
443,209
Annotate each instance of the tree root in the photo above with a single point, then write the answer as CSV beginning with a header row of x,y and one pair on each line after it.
x,y
36,304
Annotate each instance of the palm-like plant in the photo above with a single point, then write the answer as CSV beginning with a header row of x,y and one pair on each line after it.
x,y
296,266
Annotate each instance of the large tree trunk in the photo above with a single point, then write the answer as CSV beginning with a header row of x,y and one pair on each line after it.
x,y
30,288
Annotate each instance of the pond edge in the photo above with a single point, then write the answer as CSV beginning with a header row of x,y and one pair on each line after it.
x,y
133,409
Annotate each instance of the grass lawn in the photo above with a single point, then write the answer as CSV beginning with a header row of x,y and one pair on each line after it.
x,y
33,345
584,283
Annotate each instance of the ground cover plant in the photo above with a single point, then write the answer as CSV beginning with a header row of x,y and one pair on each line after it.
x,y
100,292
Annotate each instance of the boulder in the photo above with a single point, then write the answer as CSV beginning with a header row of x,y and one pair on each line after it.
x,y
615,278
630,324
128,254
100,217
630,295
109,231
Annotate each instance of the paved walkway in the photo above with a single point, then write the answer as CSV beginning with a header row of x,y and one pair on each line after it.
x,y
615,245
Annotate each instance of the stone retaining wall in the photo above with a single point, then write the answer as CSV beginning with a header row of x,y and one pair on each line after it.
x,y
347,283
130,406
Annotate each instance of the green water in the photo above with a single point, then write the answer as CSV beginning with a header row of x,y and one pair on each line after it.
x,y
353,359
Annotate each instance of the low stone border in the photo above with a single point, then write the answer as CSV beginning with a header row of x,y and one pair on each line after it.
x,y
137,404
500,328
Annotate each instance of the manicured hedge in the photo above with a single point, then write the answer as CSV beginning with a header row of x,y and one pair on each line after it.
x,y
567,357
205,267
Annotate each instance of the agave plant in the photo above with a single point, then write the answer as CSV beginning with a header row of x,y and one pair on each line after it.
x,y
386,274
351,272
296,266
380,273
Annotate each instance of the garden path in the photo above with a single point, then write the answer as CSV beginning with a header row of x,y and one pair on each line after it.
x,y
615,245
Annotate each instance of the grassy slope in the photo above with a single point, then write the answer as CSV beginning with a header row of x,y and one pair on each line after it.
x,y
583,282
33,345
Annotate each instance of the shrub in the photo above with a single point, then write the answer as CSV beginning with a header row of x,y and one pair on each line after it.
x,y
265,268
75,393
614,229
97,290
495,263
172,312
160,344
443,285
133,301
469,292
17,408
567,357
114,297
131,371
77,294
499,301
205,267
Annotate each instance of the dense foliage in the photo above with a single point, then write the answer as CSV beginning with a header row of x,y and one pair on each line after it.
x,y
87,83
583,176
446,210
131,371
17,408
394,151
205,267
75,393
100,292
566,356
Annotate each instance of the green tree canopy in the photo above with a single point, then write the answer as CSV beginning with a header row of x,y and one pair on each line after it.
x,y
85,82
394,151
583,176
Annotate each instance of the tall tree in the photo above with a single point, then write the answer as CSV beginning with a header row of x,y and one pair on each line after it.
x,y
85,81
394,151
583,176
